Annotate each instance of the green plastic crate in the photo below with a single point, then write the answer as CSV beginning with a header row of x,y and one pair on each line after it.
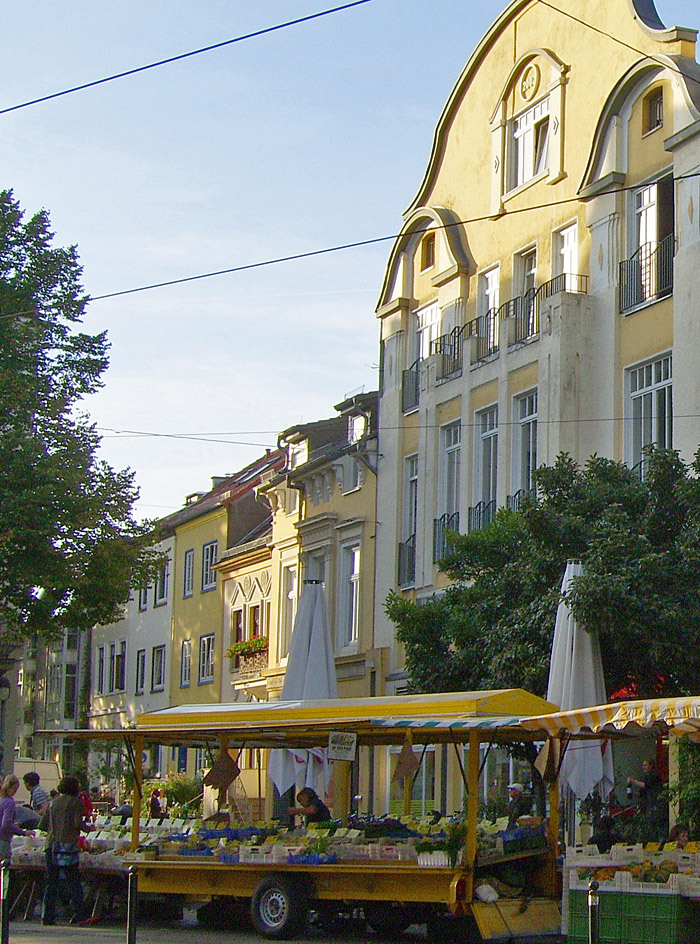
x,y
611,914
654,919
631,918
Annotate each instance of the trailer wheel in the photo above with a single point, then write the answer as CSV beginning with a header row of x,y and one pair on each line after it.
x,y
279,907
388,918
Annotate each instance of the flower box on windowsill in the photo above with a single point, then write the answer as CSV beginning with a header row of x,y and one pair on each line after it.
x,y
253,664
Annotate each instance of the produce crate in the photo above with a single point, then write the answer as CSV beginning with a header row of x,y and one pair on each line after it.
x,y
612,917
634,919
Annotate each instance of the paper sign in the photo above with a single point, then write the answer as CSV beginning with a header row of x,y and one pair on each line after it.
x,y
341,745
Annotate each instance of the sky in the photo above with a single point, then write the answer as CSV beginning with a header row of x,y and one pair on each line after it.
x,y
305,138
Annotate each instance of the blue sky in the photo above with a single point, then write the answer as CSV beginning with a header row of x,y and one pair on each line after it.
x,y
313,136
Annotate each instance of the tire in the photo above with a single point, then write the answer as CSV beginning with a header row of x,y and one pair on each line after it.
x,y
388,918
279,907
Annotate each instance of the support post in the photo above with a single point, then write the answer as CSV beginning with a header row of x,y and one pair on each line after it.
x,y
341,790
138,793
131,900
4,901
593,914
408,779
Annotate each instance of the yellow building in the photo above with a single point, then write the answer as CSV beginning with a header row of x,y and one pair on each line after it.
x,y
540,297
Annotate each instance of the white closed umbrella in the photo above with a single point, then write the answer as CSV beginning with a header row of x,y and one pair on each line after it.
x,y
309,676
576,681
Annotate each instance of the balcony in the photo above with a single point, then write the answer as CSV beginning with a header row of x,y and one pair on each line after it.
x,y
442,528
450,351
515,502
525,309
485,329
480,515
648,275
410,387
407,562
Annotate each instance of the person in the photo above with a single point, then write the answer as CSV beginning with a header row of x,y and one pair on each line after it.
x,y
155,807
650,786
679,834
518,805
311,806
606,835
8,811
125,811
62,823
38,797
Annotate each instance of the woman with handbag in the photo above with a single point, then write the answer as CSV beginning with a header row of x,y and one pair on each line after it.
x,y
63,822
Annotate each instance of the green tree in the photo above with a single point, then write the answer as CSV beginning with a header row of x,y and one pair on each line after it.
x,y
70,547
640,545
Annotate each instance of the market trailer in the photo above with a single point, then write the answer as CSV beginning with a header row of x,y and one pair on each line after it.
x,y
392,894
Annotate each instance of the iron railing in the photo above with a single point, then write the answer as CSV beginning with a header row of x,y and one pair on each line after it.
x,y
442,527
480,515
410,387
450,348
485,330
515,502
407,561
648,275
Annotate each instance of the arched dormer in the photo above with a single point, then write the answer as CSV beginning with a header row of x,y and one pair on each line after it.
x,y
450,254
608,159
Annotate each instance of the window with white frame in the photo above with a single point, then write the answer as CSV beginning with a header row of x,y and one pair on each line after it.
x,y
160,594
288,607
565,261
529,144
158,669
650,407
486,464
70,690
185,663
254,621
140,671
450,453
410,502
54,683
428,329
143,598
525,441
100,671
200,761
209,558
489,290
422,784
206,658
117,666
188,573
349,595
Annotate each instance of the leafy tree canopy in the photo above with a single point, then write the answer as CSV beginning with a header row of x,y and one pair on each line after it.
x,y
69,545
639,541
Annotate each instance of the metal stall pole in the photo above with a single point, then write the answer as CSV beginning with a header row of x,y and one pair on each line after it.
x,y
593,913
4,901
131,899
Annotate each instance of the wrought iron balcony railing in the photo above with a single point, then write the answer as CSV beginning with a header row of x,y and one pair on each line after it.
x,y
450,348
442,528
410,387
407,561
480,515
648,275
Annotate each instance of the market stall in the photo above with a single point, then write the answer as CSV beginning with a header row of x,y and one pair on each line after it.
x,y
398,870
648,894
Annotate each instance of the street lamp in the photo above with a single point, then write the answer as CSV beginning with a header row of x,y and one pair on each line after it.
x,y
4,695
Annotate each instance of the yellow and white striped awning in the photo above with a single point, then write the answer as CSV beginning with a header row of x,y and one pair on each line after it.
x,y
682,715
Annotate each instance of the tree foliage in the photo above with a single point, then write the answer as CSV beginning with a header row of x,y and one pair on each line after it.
x,y
639,541
69,544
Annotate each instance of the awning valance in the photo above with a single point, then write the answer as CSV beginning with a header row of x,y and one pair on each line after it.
x,y
681,715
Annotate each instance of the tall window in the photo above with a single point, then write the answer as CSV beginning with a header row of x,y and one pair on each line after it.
x,y
140,671
410,515
530,143
254,621
209,558
427,251
487,306
289,609
651,407
53,691
489,290
349,595
206,658
117,665
158,669
100,671
653,227
565,260
525,440
486,465
70,690
143,598
653,116
428,329
160,595
451,440
188,573
185,663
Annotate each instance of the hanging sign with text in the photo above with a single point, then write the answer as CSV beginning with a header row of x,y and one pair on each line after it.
x,y
341,745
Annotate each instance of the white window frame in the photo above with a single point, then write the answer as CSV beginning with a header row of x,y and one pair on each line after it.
x,y
210,552
565,254
100,663
410,496
349,595
489,289
486,455
186,663
158,669
160,589
143,598
188,573
525,407
649,392
140,682
450,468
529,144
428,329
289,585
117,666
206,658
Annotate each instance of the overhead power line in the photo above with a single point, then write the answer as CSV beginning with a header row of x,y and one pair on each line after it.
x,y
184,55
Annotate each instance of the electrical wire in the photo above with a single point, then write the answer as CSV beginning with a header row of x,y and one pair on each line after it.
x,y
184,55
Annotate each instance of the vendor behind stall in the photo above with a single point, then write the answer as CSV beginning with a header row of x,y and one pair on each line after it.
x,y
311,806
518,805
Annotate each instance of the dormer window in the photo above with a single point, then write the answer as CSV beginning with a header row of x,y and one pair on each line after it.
x,y
530,144
357,426
427,252
653,110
